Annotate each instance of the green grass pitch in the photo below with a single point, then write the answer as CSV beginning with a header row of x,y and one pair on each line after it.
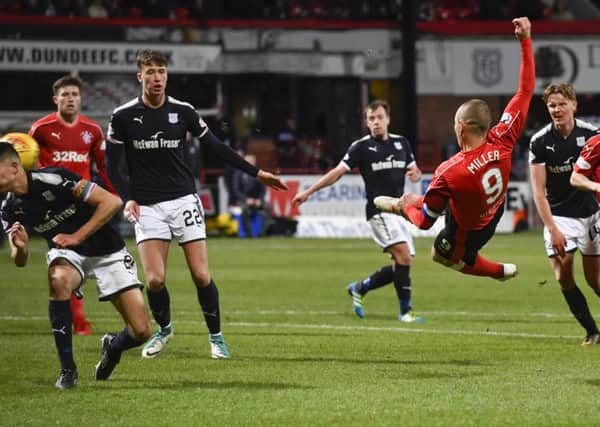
x,y
490,353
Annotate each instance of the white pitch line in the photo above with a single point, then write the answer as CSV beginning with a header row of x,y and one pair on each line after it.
x,y
354,328
338,313
397,329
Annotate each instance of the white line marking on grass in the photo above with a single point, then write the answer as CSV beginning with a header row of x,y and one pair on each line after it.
x,y
396,329
329,327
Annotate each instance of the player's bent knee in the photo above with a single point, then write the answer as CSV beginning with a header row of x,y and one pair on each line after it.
x,y
155,283
60,286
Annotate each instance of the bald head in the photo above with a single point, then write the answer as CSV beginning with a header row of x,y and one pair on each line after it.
x,y
476,115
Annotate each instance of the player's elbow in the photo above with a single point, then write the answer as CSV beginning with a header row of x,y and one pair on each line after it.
x,y
575,180
114,204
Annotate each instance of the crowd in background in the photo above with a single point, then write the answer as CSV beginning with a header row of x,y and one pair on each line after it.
x,y
428,10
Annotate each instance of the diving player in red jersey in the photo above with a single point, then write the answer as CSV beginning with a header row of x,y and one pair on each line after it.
x,y
473,182
69,140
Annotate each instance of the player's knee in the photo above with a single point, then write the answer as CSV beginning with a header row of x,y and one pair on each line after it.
x,y
60,285
201,278
155,282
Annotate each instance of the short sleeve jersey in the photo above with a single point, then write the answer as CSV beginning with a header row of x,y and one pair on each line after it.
x,y
56,203
154,141
382,165
559,155
69,147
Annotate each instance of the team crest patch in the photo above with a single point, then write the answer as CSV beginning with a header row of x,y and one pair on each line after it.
x,y
48,195
173,118
580,141
87,137
398,145
506,118
487,69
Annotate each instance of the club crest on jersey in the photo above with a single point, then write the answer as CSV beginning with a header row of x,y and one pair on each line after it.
x,y
398,145
48,195
506,118
173,118
580,141
87,137
486,66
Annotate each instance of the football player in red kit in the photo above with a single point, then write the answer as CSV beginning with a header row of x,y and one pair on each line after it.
x,y
472,184
586,172
69,140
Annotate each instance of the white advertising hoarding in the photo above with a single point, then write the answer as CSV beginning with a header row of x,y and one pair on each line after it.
x,y
339,210
45,55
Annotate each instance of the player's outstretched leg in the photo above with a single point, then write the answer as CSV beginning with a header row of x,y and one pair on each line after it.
x,y
487,268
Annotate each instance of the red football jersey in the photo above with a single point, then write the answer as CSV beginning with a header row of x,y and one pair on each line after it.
x,y
588,162
473,183
71,147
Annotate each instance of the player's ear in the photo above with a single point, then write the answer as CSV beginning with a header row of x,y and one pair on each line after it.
x,y
55,99
139,77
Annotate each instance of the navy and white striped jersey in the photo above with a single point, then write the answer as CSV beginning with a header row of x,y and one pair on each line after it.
x,y
382,164
56,203
559,155
154,150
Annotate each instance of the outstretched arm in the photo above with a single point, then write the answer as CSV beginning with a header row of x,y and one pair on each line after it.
x,y
582,182
237,161
326,180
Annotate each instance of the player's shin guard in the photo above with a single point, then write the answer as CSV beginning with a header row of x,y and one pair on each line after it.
x,y
160,305
380,278
61,321
484,267
403,287
208,297
580,309
124,341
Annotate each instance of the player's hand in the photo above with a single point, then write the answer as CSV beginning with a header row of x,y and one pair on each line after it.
x,y
300,198
558,242
18,235
408,199
273,181
522,28
413,174
131,212
62,240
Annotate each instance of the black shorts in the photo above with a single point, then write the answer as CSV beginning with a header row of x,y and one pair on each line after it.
x,y
455,244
